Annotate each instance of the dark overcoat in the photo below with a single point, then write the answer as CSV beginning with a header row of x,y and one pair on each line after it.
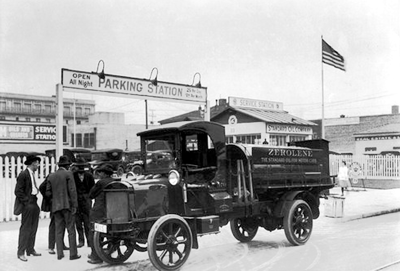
x,y
61,188
23,188
98,211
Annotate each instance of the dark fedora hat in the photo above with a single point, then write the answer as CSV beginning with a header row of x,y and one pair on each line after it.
x,y
31,158
106,168
64,161
81,162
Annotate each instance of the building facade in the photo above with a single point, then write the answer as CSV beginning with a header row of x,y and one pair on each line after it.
x,y
362,134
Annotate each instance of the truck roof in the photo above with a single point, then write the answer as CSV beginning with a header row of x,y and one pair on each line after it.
x,y
205,126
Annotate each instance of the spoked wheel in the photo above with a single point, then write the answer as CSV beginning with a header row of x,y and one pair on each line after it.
x,y
120,171
112,250
244,229
137,170
170,242
298,222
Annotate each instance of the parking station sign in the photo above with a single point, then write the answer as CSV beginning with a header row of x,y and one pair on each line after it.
x,y
87,82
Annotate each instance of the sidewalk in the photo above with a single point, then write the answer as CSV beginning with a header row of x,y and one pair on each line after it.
x,y
359,203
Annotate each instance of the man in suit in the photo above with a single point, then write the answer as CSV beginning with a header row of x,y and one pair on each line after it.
x,y
84,181
61,188
26,192
98,212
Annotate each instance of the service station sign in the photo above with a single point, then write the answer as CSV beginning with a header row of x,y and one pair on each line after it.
x,y
36,132
140,88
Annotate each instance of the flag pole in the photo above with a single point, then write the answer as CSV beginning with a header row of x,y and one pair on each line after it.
x,y
323,103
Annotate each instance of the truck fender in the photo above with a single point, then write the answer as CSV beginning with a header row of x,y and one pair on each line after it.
x,y
284,203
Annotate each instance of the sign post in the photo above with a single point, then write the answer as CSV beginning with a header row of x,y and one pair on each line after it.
x,y
126,87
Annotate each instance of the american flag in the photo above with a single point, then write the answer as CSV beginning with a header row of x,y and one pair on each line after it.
x,y
331,57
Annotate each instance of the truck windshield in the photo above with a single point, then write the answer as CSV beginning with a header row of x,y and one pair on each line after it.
x,y
160,154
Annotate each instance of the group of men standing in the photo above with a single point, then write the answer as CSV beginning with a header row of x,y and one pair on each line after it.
x,y
68,197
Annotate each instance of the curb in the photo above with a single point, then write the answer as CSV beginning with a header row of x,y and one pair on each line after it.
x,y
361,216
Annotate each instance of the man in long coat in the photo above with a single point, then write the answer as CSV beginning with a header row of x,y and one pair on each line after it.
x,y
26,191
61,187
84,181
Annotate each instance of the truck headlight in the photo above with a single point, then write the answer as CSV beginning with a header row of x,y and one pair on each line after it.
x,y
173,177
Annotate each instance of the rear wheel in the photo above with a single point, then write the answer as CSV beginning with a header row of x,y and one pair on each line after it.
x,y
169,242
112,250
298,222
244,229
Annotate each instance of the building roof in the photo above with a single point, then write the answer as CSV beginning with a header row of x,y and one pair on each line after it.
x,y
272,116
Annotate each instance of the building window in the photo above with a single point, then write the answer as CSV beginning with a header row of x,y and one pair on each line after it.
x,y
79,111
27,107
78,122
278,140
28,119
48,120
18,107
297,138
38,108
47,108
17,118
2,106
37,119
248,139
67,110
367,149
78,140
87,111
2,118
229,139
88,140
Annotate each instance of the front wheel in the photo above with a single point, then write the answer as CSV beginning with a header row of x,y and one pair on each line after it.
x,y
298,222
244,229
169,242
112,250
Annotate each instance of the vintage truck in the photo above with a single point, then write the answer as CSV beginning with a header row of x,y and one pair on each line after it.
x,y
194,184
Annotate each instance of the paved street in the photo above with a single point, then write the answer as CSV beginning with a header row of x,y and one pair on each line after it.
x,y
363,244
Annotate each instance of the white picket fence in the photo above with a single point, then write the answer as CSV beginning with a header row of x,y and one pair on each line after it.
x,y
9,170
373,167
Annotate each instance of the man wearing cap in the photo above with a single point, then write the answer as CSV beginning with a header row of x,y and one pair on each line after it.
x,y
98,212
26,191
61,187
84,181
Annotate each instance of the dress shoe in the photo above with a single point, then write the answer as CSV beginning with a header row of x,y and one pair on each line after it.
x,y
51,251
80,244
94,261
74,257
59,257
33,253
22,258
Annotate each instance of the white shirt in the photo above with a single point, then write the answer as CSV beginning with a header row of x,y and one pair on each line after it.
x,y
34,188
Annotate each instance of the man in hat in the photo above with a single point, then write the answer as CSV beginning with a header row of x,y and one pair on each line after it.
x,y
98,212
61,187
26,191
84,181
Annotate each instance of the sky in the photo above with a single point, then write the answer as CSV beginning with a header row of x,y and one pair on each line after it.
x,y
264,50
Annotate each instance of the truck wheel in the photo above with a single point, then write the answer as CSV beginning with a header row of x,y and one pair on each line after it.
x,y
120,171
169,242
112,250
137,170
298,222
244,229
